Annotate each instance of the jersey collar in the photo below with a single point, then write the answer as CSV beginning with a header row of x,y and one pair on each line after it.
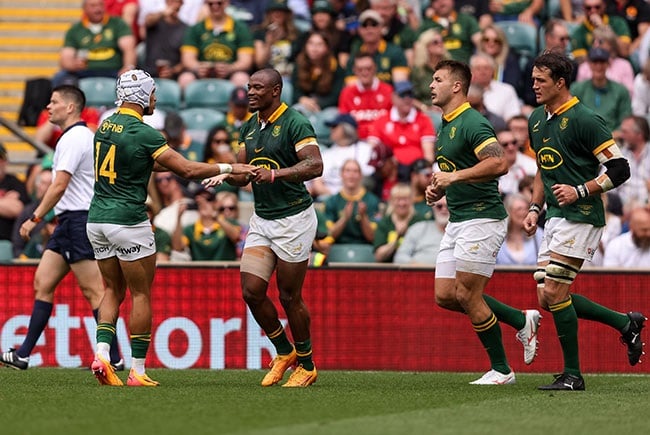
x,y
566,106
460,109
129,112
275,115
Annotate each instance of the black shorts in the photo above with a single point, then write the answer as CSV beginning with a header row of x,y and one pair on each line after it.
x,y
70,239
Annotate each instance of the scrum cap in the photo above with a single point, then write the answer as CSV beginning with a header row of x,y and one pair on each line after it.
x,y
135,86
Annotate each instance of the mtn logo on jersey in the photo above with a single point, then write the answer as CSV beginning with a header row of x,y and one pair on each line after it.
x,y
549,158
445,164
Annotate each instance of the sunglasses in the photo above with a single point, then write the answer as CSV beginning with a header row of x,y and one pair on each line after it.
x,y
370,23
227,207
498,41
166,178
591,7
512,142
436,42
219,140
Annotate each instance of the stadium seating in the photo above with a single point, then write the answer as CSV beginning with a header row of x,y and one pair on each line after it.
x,y
211,93
6,251
522,38
351,253
168,95
199,121
99,91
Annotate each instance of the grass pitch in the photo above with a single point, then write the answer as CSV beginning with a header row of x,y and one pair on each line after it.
x,y
68,401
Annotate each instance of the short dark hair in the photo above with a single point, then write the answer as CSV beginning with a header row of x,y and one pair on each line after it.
x,y
459,71
557,63
641,123
72,93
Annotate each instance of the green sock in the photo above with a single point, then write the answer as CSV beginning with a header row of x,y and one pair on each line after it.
x,y
105,333
303,351
140,345
566,324
505,313
279,339
489,332
590,310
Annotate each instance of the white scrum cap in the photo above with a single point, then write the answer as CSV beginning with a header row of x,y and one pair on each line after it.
x,y
135,86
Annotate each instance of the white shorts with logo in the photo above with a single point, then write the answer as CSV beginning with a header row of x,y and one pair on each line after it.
x,y
127,242
470,246
571,239
290,238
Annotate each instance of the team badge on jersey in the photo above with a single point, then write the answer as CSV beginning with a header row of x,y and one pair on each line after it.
x,y
564,123
276,131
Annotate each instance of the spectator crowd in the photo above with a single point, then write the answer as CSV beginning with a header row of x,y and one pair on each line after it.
x,y
360,72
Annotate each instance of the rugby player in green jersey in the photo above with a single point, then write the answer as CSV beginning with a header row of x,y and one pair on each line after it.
x,y
282,143
126,151
572,143
471,159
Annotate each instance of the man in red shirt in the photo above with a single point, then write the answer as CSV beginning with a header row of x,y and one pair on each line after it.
x,y
368,97
406,130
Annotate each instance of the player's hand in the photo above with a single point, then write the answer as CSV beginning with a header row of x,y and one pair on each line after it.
x,y
442,180
432,195
530,223
217,180
26,229
245,169
565,194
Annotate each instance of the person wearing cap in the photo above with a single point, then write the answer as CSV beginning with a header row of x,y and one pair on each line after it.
x,y
368,97
582,36
164,32
390,60
406,130
217,47
179,139
460,31
237,114
385,175
13,196
317,77
68,197
421,173
345,145
323,19
588,163
212,237
606,97
282,143
470,160
275,39
99,45
126,152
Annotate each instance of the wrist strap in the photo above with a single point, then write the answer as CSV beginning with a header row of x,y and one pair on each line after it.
x,y
582,190
535,208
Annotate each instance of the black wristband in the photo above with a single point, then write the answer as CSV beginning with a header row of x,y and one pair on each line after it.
x,y
582,190
535,208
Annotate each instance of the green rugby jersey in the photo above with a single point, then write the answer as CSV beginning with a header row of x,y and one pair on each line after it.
x,y
274,146
125,150
462,135
566,145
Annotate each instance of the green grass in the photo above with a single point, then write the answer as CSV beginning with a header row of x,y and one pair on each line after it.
x,y
66,401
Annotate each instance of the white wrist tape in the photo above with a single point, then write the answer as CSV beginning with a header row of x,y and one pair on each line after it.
x,y
224,168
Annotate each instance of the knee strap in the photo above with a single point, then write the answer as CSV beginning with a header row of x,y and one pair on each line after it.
x,y
561,272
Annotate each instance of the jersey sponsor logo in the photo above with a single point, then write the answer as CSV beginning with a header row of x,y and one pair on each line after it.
x,y
549,158
264,162
445,164
130,250
276,130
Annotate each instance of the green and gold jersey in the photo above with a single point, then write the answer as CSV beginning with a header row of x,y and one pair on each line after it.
x,y
566,145
209,244
275,145
218,46
334,209
124,154
104,52
463,134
